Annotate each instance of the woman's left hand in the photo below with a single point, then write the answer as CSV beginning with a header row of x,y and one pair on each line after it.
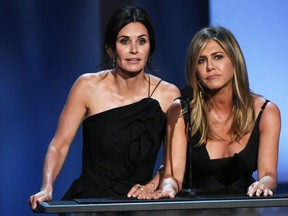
x,y
141,191
258,189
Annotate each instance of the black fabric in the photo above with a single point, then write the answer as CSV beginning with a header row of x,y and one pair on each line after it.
x,y
120,149
232,175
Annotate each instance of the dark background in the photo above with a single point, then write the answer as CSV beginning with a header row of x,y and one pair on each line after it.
x,y
44,46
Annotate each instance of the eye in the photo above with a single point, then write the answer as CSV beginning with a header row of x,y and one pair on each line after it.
x,y
142,41
218,57
201,60
124,41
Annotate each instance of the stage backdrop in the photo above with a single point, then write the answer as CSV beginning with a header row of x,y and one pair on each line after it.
x,y
261,29
46,44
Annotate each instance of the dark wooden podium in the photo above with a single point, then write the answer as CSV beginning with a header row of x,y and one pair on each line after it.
x,y
181,205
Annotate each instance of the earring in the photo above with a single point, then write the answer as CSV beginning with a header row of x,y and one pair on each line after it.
x,y
201,96
114,62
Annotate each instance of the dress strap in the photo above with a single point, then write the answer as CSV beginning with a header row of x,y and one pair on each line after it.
x,y
257,122
262,109
150,95
264,105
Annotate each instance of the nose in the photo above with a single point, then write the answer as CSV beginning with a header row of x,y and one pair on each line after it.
x,y
133,48
210,65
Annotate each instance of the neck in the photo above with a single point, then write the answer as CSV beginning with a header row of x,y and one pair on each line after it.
x,y
221,101
130,83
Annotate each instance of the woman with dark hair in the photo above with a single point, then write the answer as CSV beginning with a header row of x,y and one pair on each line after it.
x,y
121,18
234,132
122,112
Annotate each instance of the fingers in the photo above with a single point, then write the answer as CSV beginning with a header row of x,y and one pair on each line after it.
x,y
172,194
37,198
158,195
258,189
138,191
267,192
133,190
163,194
148,192
33,201
166,190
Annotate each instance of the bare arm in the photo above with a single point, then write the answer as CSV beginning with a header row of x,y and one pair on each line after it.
x,y
175,153
270,125
170,181
68,124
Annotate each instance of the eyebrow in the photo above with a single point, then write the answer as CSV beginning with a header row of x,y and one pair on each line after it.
x,y
214,53
140,36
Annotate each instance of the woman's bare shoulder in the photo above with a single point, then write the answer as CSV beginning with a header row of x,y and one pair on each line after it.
x,y
271,116
94,76
259,101
168,88
87,80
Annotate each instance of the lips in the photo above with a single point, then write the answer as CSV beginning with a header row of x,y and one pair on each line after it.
x,y
133,60
211,77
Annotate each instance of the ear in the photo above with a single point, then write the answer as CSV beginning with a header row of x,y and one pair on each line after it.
x,y
111,53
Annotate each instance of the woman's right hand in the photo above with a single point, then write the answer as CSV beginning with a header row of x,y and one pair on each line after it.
x,y
42,196
167,192
168,189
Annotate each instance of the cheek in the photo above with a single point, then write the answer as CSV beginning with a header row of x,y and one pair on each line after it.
x,y
200,73
200,78
146,51
121,50
228,67
229,71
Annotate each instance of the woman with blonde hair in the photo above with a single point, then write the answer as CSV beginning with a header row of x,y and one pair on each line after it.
x,y
234,132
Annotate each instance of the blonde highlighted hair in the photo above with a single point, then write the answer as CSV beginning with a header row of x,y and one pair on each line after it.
x,y
243,114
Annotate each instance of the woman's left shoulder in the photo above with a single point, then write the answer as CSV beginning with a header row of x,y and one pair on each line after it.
x,y
165,86
170,87
268,107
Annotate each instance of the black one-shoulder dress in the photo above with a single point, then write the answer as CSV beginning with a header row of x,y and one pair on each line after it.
x,y
120,148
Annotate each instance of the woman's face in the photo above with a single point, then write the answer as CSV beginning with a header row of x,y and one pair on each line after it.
x,y
214,69
132,47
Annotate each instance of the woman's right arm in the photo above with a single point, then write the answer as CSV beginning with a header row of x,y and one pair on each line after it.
x,y
175,153
71,117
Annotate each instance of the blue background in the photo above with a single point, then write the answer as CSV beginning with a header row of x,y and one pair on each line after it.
x,y
46,44
260,27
